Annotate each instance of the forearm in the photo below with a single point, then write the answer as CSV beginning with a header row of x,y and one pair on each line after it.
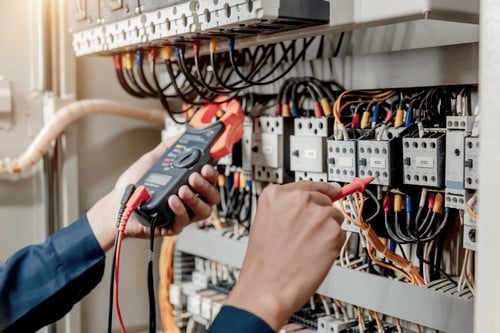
x,y
102,219
40,283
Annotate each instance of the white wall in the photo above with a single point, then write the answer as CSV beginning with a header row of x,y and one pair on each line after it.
x,y
21,209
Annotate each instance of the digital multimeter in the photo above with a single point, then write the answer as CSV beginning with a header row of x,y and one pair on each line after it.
x,y
203,142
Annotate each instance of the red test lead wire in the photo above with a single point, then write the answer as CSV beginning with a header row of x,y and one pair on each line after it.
x,y
357,185
139,196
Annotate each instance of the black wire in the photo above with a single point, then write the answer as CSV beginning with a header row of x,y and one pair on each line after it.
x,y
280,76
203,81
180,94
151,287
142,77
112,286
126,86
402,251
131,77
194,81
191,79
339,44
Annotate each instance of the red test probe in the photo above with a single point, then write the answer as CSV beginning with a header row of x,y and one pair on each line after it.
x,y
357,185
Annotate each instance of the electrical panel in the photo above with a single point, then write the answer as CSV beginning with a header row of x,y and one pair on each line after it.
x,y
307,129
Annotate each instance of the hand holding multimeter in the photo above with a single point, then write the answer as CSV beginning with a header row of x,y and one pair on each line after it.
x,y
204,142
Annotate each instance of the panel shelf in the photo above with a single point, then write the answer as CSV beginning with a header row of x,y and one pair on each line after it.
x,y
442,311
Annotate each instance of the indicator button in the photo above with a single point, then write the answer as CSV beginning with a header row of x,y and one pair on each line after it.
x,y
187,158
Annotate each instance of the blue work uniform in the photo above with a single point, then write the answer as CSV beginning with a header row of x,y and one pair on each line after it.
x,y
40,283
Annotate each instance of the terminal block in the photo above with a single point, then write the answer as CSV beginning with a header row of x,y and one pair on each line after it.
x,y
342,160
455,198
270,149
457,128
471,163
308,145
423,160
253,17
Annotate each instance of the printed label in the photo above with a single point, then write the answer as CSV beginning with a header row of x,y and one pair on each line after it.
x,y
377,163
310,153
424,162
345,162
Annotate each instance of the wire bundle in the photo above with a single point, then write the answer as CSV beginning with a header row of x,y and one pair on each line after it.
x,y
295,91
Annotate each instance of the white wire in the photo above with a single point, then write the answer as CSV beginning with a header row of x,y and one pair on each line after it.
x,y
65,116
343,250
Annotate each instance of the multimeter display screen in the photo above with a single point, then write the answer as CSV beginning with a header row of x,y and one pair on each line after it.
x,y
158,178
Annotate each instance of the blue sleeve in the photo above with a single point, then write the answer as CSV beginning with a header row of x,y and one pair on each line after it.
x,y
39,284
231,319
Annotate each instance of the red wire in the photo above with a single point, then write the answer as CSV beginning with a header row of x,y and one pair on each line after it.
x,y
116,277
139,196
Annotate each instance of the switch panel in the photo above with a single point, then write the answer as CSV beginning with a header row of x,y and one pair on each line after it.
x,y
342,160
423,160
471,163
270,149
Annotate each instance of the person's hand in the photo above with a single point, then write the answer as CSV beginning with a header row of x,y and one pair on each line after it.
x,y
294,240
199,197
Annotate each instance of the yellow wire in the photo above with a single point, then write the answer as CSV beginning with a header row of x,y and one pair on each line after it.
x,y
166,276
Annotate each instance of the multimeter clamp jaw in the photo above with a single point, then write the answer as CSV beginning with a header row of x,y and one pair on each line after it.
x,y
202,143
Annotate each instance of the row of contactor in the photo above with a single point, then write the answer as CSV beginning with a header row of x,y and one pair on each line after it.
x,y
281,150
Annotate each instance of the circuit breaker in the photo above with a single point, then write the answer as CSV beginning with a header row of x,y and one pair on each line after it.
x,y
308,147
471,163
270,149
423,160
342,160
